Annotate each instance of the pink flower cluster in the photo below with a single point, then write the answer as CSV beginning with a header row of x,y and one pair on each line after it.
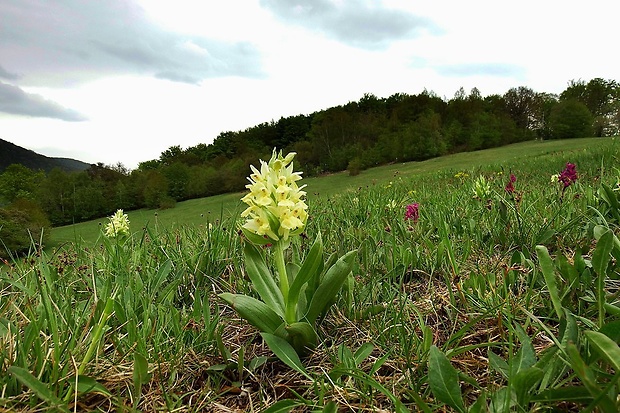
x,y
569,175
510,188
412,212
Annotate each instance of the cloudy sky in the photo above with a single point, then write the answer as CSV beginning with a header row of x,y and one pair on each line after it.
x,y
123,80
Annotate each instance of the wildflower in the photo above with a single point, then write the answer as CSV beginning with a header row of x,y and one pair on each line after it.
x,y
482,188
118,225
510,188
555,178
276,208
412,212
569,175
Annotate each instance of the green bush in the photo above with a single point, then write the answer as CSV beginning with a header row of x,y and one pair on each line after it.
x,y
570,119
355,167
21,223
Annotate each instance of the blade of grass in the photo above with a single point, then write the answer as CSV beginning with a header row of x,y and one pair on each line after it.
x,y
37,387
548,270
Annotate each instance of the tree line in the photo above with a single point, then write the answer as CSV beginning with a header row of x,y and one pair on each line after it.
x,y
355,136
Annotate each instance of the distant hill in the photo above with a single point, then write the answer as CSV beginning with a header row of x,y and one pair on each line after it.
x,y
11,153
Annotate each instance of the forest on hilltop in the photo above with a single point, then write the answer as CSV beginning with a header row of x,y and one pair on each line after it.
x,y
354,136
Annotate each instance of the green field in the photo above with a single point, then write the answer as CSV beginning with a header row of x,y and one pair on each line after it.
x,y
200,211
500,294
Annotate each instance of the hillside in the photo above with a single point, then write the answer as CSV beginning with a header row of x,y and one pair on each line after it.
x,y
217,207
470,282
11,153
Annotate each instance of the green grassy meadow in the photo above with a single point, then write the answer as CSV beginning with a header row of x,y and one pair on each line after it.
x,y
201,211
490,300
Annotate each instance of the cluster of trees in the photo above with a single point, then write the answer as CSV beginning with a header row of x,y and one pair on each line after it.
x,y
402,127
355,136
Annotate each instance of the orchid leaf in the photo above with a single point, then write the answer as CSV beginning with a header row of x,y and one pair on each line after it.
x,y
285,352
86,384
42,391
262,279
302,337
330,285
444,380
257,313
606,347
548,270
310,267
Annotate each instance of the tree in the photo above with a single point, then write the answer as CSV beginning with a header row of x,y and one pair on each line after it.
x,y
56,196
546,103
370,103
602,98
484,131
292,129
570,119
120,168
169,156
177,175
21,224
18,181
155,189
331,129
524,108
89,197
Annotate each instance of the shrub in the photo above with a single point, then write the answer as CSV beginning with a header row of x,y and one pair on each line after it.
x,y
355,167
21,224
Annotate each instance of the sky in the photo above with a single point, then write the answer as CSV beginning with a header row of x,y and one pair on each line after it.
x,y
123,80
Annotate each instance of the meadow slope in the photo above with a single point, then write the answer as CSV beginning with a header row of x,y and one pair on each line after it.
x,y
477,282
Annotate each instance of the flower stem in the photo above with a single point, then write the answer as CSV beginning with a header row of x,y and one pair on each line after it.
x,y
281,267
94,343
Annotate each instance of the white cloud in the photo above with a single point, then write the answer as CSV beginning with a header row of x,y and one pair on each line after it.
x,y
71,41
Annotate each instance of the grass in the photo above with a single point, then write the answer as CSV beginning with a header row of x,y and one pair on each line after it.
x,y
201,211
500,304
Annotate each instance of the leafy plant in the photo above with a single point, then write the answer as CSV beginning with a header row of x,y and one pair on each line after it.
x,y
290,307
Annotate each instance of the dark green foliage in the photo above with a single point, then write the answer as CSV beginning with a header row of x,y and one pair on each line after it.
x,y
570,119
155,189
355,167
22,225
13,154
602,98
17,181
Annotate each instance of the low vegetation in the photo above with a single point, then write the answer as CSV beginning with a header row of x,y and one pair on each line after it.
x,y
355,136
482,282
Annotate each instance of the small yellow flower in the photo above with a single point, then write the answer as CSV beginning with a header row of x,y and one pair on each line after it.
x,y
118,225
